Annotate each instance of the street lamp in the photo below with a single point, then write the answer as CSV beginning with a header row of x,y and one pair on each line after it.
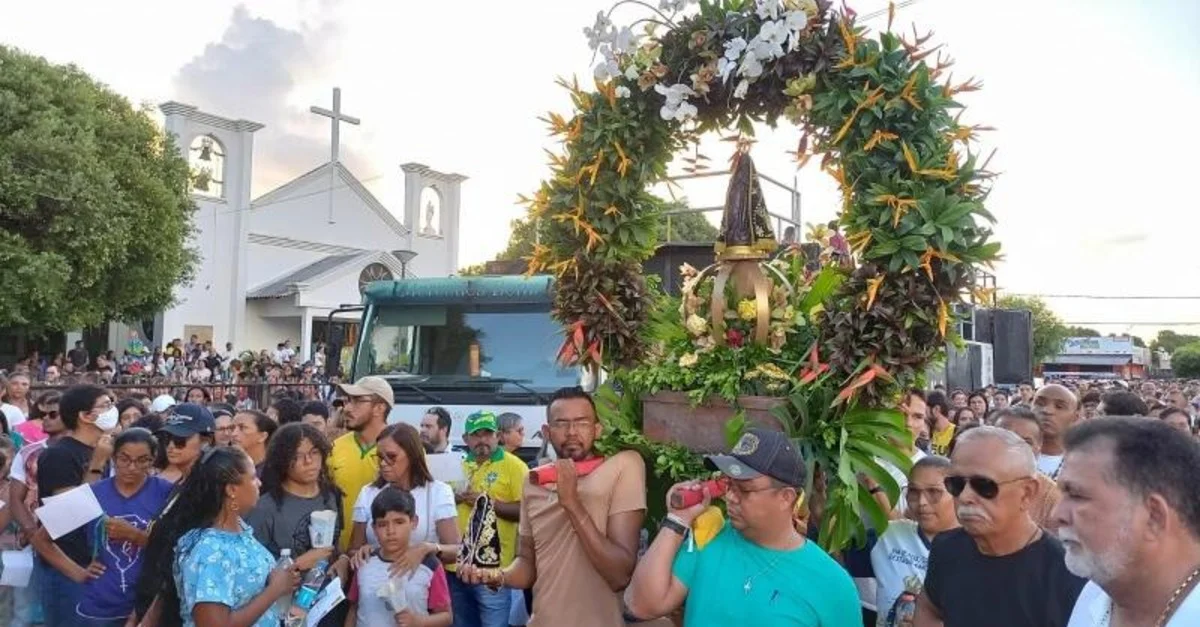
x,y
404,256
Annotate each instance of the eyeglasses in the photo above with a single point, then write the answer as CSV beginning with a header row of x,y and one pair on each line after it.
x,y
739,488
125,461
388,460
983,486
308,456
932,495
227,428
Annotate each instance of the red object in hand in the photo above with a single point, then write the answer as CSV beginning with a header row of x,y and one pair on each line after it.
x,y
684,498
545,475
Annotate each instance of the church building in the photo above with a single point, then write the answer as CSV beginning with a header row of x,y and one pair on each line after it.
x,y
274,268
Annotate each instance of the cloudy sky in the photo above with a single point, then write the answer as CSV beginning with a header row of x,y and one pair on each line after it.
x,y
1095,103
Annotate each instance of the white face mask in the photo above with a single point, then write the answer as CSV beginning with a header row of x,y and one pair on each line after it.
x,y
107,421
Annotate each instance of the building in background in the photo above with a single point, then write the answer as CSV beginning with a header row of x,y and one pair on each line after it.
x,y
1099,358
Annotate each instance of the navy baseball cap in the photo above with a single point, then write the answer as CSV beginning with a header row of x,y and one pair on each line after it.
x,y
762,452
188,420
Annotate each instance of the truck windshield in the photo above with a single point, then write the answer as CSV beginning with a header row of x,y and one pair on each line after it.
x,y
435,341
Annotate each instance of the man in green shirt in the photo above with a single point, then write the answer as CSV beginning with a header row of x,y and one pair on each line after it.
x,y
758,570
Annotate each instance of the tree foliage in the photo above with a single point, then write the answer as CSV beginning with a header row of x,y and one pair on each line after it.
x,y
1185,362
1074,331
1048,329
1171,341
94,202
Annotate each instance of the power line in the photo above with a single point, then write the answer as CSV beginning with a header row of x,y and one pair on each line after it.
x,y
1109,297
1137,323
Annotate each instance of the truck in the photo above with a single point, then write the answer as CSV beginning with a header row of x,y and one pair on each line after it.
x,y
464,344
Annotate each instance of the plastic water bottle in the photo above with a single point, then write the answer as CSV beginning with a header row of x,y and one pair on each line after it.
x,y
306,595
285,602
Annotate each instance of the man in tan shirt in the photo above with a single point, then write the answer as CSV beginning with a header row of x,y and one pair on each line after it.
x,y
578,537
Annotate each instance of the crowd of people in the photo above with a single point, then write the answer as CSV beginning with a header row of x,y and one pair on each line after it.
x,y
196,361
1035,510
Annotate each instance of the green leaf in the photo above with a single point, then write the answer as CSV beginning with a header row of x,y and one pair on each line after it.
x,y
734,428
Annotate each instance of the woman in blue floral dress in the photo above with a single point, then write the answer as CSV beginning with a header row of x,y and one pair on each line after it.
x,y
222,574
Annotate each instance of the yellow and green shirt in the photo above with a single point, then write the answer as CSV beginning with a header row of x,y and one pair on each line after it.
x,y
352,466
502,477
939,444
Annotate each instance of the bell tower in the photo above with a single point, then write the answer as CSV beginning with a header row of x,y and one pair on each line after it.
x,y
220,153
431,214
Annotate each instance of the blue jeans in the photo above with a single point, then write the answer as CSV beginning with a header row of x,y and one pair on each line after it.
x,y
60,595
478,606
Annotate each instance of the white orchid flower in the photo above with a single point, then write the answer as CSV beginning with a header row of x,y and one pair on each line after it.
x,y
725,68
622,91
739,92
767,9
601,32
751,67
625,41
608,68
675,94
686,111
734,48
673,6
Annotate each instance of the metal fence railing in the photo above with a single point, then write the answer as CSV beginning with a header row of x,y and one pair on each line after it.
x,y
257,395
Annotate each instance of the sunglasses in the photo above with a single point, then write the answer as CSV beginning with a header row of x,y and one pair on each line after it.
x,y
983,486
179,441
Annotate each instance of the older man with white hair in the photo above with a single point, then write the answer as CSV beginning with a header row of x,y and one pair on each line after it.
x,y
999,569
1130,522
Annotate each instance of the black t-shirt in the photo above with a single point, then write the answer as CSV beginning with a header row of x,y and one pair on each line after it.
x,y
1030,588
64,464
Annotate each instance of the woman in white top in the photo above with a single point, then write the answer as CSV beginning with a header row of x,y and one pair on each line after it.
x,y
402,464
901,556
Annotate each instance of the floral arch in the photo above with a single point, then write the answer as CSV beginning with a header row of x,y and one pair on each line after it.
x,y
878,114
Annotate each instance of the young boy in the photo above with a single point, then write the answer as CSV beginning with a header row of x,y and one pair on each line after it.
x,y
426,594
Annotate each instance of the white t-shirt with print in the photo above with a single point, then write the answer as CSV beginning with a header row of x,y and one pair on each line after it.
x,y
899,560
435,501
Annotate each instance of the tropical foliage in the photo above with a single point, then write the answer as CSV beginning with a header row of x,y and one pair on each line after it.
x,y
878,115
95,212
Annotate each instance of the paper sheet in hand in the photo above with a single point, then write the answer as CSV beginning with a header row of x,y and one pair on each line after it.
x,y
326,601
16,567
66,512
447,467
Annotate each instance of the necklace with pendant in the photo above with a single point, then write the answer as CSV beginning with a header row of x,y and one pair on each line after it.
x,y
1167,611
746,587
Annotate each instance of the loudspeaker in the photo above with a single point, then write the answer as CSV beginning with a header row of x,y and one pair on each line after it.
x,y
667,259
1012,341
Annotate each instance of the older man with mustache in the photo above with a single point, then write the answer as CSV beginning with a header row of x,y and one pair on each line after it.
x,y
999,569
1130,522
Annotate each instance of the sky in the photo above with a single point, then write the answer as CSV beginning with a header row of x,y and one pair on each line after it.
x,y
1094,103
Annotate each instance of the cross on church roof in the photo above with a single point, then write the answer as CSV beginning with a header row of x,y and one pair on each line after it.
x,y
336,117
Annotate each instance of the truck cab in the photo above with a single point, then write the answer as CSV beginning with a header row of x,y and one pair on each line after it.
x,y
464,344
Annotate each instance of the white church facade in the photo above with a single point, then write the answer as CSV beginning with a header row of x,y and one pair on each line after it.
x,y
273,268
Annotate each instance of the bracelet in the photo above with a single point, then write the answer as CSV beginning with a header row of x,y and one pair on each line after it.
x,y
674,523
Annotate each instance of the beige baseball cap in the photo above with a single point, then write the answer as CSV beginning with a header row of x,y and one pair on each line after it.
x,y
367,386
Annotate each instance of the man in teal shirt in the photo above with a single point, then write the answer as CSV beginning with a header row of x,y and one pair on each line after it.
x,y
758,570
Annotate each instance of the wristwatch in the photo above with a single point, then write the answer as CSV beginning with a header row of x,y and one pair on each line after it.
x,y
673,523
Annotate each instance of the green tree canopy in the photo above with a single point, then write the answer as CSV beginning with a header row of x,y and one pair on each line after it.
x,y
1171,341
1074,331
94,203
1048,329
1185,362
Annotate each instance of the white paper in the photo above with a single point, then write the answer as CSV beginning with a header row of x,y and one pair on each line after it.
x,y
447,467
16,567
63,513
326,601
